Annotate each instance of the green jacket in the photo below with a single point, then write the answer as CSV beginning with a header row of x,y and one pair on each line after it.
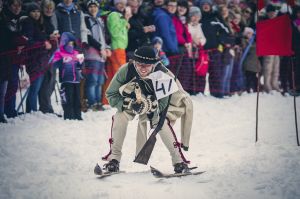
x,y
117,27
122,77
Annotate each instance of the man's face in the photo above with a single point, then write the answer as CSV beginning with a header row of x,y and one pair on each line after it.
x,y
134,5
143,69
15,8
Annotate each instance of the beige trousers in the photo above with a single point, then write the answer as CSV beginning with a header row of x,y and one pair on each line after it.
x,y
119,129
271,72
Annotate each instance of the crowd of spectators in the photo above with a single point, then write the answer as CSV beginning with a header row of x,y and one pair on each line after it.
x,y
211,41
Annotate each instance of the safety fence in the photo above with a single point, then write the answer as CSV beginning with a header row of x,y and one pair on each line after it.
x,y
216,71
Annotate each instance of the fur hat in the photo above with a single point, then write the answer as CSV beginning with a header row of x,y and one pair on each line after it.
x,y
146,55
194,11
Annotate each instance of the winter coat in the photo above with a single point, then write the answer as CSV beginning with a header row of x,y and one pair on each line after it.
x,y
68,63
136,35
251,62
197,33
166,30
9,34
182,33
37,55
48,25
215,31
117,27
96,38
72,21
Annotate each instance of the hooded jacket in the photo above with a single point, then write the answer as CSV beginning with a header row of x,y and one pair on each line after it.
x,y
67,62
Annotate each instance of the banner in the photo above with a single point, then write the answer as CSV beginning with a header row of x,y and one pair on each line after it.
x,y
274,37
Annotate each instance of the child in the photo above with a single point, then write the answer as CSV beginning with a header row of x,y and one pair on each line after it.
x,y
69,63
157,43
249,60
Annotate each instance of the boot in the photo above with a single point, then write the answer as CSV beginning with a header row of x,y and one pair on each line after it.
x,y
3,120
100,107
181,168
112,166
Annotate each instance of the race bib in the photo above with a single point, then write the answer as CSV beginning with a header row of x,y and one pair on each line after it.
x,y
163,84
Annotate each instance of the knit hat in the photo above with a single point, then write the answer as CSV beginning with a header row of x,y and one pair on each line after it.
x,y
248,30
90,2
202,2
156,40
120,1
32,7
146,55
194,11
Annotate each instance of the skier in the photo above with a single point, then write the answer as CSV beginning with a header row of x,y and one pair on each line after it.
x,y
131,91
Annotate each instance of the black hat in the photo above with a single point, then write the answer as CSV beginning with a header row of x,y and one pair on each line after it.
x,y
31,7
146,55
270,8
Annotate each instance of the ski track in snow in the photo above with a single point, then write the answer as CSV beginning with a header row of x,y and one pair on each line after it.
x,y
43,156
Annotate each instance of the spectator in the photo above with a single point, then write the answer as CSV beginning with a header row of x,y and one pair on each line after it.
x,y
157,43
95,56
199,40
249,60
218,41
140,30
13,40
48,84
271,62
32,28
4,62
117,23
69,63
165,29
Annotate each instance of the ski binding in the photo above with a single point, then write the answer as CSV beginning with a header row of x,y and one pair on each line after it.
x,y
99,172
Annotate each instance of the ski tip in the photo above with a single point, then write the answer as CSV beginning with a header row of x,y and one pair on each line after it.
x,y
97,170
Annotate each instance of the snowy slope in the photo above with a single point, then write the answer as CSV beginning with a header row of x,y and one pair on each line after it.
x,y
43,156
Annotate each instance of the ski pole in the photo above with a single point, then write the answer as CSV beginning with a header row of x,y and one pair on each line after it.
x,y
295,106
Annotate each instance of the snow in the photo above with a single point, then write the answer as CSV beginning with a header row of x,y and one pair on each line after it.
x,y
43,156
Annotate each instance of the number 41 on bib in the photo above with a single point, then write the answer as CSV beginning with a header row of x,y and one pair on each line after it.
x,y
164,85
